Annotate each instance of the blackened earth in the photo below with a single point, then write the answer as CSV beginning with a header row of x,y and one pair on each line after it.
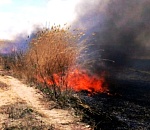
x,y
127,107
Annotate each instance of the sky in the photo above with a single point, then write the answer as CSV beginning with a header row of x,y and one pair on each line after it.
x,y
17,16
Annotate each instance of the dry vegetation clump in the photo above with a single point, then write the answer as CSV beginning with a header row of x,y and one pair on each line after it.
x,y
3,86
13,63
1,62
22,117
5,62
51,54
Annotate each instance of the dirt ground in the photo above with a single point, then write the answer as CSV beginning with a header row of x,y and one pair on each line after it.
x,y
24,108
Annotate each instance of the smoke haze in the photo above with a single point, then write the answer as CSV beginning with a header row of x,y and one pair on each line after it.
x,y
117,30
19,43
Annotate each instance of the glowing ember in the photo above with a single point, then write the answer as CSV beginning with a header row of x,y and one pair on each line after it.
x,y
77,80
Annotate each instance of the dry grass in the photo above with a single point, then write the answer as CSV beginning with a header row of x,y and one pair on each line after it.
x,y
20,117
52,52
3,86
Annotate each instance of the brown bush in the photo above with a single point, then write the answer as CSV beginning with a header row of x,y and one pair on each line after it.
x,y
52,51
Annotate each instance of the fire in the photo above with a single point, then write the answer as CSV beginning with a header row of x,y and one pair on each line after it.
x,y
77,80
81,80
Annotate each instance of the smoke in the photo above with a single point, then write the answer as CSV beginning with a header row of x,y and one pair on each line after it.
x,y
118,30
19,44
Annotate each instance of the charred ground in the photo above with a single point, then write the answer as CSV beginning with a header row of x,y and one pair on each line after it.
x,y
127,105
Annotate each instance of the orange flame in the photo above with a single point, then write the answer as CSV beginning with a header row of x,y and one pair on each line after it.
x,y
77,80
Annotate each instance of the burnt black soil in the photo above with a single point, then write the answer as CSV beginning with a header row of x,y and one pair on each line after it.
x,y
127,107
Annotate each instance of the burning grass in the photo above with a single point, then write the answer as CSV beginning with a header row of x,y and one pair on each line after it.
x,y
51,54
51,62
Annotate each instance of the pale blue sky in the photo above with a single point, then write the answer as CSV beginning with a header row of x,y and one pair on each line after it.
x,y
15,5
19,16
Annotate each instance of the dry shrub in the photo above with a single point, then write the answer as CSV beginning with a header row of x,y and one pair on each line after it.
x,y
14,62
4,62
17,63
52,51
1,59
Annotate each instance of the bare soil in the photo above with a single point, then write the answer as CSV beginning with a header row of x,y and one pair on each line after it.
x,y
25,108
